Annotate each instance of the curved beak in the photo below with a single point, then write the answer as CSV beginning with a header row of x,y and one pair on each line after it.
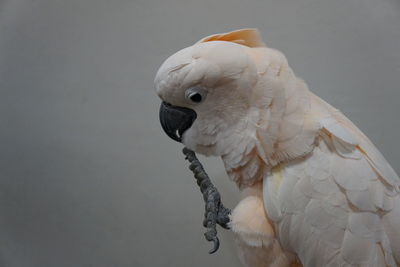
x,y
176,120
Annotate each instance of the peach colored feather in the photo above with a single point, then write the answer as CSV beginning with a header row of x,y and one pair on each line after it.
x,y
316,191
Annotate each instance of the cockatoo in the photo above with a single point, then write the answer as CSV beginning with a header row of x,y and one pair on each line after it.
x,y
316,191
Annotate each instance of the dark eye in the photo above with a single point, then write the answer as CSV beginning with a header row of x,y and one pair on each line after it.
x,y
196,97
196,94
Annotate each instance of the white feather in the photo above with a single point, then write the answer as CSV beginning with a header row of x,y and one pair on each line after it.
x,y
331,195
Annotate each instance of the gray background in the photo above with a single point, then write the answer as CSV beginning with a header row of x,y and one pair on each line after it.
x,y
87,178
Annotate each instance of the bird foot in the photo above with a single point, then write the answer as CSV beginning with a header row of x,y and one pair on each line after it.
x,y
215,212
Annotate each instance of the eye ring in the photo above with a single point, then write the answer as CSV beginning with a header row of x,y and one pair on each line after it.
x,y
195,94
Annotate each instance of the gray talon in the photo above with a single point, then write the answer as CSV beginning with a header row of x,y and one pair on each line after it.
x,y
216,245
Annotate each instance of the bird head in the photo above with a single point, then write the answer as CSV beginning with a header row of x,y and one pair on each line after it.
x,y
229,95
208,88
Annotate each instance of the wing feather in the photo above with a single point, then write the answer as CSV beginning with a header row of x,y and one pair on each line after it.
x,y
334,210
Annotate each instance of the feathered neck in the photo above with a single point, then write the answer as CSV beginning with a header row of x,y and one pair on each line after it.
x,y
280,132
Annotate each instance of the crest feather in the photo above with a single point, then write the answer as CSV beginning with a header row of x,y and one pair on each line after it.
x,y
248,37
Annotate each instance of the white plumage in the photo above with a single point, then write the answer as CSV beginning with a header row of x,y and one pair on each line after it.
x,y
316,191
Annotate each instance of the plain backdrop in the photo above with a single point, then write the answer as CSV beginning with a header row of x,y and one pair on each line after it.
x,y
88,178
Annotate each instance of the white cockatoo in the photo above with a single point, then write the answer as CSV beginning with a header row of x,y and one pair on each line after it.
x,y
316,191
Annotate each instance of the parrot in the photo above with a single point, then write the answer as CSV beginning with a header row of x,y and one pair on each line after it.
x,y
314,190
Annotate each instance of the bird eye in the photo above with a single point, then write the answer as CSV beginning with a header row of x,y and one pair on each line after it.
x,y
195,94
196,97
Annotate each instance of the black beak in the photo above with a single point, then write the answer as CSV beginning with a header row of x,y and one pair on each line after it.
x,y
176,120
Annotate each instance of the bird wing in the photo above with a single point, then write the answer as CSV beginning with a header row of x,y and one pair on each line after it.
x,y
340,205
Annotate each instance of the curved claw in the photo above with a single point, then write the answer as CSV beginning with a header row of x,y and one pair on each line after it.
x,y
216,245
